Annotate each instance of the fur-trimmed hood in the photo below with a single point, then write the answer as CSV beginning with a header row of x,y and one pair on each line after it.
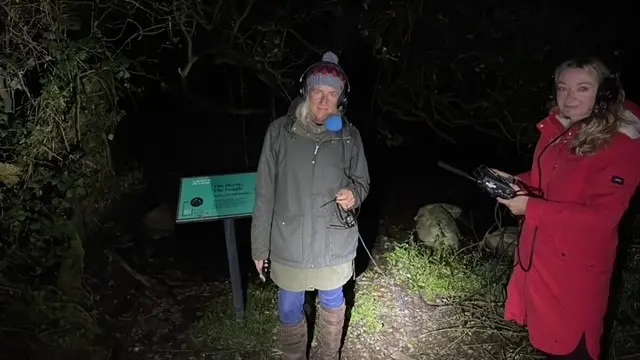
x,y
632,115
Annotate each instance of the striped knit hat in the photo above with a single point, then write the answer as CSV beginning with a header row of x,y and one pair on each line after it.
x,y
327,72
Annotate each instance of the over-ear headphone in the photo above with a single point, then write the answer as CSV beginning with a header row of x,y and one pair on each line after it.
x,y
344,95
609,91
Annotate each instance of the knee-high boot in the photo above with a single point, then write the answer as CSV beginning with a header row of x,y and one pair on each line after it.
x,y
293,340
331,323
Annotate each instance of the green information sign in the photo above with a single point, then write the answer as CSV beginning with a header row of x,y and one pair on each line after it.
x,y
216,197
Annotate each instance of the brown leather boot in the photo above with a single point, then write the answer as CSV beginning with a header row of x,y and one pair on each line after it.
x,y
293,340
331,322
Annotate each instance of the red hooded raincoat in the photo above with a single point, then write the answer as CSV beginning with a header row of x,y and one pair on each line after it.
x,y
569,238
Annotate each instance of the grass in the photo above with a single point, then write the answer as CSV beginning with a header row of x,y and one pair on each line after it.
x,y
52,326
219,332
368,309
625,336
434,275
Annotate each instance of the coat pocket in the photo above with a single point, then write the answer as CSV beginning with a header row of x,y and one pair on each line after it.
x,y
342,242
287,238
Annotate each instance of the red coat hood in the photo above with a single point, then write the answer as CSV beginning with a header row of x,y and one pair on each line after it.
x,y
632,115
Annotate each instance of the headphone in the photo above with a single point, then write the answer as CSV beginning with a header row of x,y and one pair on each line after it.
x,y
609,91
343,98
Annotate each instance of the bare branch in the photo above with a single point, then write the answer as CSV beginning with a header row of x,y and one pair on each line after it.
x,y
191,59
242,17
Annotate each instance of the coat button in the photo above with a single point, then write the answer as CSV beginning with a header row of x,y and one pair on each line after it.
x,y
563,254
313,162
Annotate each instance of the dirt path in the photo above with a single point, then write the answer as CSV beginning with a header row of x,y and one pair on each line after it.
x,y
405,318
414,329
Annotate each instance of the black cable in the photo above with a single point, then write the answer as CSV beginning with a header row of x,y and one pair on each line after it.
x,y
539,194
347,218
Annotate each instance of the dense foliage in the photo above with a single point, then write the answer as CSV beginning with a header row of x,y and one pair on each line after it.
x,y
60,82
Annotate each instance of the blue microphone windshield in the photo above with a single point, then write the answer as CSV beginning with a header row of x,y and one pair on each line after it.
x,y
334,123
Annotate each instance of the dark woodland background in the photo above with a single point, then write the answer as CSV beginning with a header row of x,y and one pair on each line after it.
x,y
107,104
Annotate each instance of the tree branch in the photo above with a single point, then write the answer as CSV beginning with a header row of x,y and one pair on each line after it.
x,y
239,21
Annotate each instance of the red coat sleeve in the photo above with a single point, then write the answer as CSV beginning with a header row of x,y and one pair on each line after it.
x,y
606,202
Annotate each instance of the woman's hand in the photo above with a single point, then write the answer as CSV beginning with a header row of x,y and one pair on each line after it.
x,y
346,199
517,205
260,267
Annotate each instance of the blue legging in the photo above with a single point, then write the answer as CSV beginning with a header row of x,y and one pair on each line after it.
x,y
291,303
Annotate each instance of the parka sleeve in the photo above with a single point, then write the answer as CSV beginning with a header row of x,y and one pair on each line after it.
x,y
607,202
359,181
265,198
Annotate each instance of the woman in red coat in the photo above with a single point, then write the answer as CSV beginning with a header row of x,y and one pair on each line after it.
x,y
586,168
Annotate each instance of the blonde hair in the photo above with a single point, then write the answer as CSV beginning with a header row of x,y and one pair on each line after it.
x,y
303,111
597,130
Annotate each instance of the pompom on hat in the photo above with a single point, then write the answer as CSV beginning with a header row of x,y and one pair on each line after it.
x,y
330,57
327,72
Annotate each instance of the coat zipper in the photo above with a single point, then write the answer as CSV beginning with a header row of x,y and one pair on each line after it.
x,y
318,143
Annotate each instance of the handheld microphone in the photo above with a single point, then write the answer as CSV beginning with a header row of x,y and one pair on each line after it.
x,y
334,123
